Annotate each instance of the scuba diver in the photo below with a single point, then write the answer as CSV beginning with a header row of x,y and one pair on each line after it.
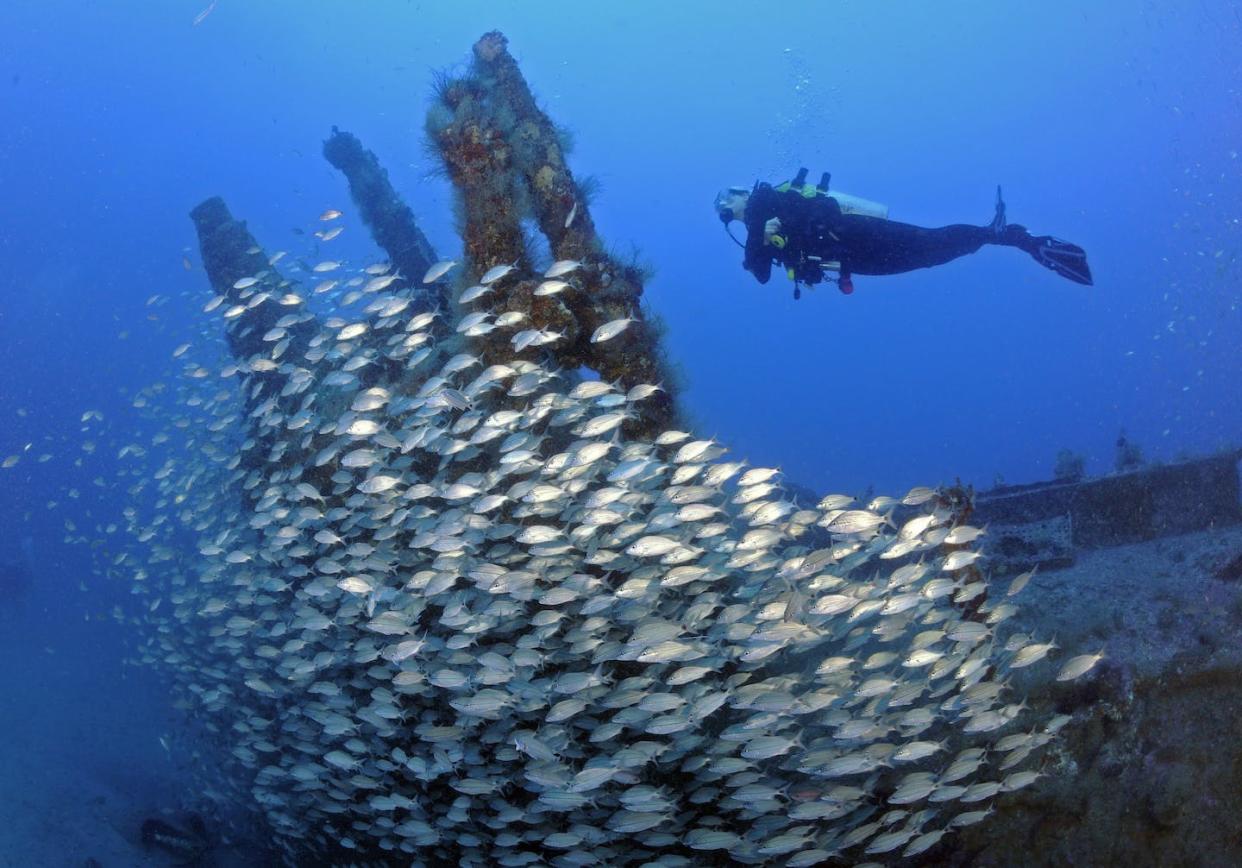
x,y
810,232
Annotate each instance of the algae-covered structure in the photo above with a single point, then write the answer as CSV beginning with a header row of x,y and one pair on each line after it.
x,y
505,159
448,600
389,219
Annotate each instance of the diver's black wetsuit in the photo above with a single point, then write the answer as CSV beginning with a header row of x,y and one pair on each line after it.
x,y
813,232
816,231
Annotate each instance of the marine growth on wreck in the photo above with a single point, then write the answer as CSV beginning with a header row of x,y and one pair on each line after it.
x,y
448,598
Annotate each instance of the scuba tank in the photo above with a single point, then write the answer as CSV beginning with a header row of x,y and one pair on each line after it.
x,y
730,205
858,205
849,204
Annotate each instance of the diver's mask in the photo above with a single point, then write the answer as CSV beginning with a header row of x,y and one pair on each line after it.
x,y
731,204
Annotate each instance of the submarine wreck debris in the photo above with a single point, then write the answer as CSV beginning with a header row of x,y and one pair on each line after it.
x,y
1142,503
389,219
442,599
506,161
188,844
248,288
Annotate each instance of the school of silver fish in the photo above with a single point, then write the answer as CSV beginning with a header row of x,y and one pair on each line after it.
x,y
442,609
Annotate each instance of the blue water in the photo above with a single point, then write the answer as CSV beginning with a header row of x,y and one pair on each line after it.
x,y
1114,125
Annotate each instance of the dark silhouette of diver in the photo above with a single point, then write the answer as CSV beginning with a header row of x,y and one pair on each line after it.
x,y
811,232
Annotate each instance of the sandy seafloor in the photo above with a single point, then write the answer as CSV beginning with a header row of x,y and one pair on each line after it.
x,y
81,762
81,759
82,766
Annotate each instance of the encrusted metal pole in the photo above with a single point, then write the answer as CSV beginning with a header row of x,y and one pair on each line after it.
x,y
230,256
390,221
505,157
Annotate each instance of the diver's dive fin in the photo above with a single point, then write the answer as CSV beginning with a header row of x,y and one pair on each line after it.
x,y
1067,260
998,222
